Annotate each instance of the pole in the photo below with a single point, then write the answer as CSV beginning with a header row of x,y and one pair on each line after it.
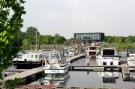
x,y
36,40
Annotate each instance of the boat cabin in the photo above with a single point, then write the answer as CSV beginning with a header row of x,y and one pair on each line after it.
x,y
109,52
91,51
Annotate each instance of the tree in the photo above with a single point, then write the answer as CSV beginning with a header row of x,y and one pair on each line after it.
x,y
11,12
45,39
129,39
31,34
57,39
109,39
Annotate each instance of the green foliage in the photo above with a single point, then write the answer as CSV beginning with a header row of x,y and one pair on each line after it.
x,y
45,39
30,39
26,43
11,84
31,34
121,42
57,39
109,39
11,12
130,39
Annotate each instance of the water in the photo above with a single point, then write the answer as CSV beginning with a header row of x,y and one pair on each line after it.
x,y
95,80
88,79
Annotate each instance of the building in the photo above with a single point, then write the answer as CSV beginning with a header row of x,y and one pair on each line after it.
x,y
89,37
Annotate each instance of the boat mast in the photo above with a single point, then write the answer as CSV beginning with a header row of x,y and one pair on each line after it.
x,y
36,40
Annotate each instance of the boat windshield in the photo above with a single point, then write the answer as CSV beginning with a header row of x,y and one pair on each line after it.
x,y
54,55
92,53
108,52
132,55
92,48
36,56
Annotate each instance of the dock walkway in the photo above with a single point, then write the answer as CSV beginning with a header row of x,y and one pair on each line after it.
x,y
74,58
24,74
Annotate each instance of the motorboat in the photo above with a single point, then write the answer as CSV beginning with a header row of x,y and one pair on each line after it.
x,y
131,59
108,56
91,51
57,63
30,59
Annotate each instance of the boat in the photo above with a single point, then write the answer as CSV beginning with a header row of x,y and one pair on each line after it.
x,y
91,51
108,56
131,59
30,59
57,63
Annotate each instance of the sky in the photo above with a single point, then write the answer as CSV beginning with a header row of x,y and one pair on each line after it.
x,y
65,17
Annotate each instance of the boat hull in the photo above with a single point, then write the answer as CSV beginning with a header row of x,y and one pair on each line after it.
x,y
26,65
61,70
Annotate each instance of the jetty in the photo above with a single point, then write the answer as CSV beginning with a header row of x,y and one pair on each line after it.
x,y
25,74
74,58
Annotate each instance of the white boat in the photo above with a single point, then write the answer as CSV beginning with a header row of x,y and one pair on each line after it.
x,y
57,63
131,60
108,56
91,51
30,60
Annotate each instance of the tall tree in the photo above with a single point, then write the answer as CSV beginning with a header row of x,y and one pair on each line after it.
x,y
129,39
11,12
31,34
57,39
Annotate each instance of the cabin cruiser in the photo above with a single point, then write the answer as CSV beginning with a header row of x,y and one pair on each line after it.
x,y
56,63
91,51
108,56
131,59
30,60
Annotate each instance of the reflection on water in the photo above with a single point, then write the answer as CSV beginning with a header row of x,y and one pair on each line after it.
x,y
99,80
53,79
108,77
87,79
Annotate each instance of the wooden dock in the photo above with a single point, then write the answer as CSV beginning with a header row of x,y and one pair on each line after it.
x,y
95,68
74,58
16,70
25,74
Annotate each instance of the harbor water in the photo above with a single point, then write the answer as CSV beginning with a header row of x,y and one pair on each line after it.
x,y
87,79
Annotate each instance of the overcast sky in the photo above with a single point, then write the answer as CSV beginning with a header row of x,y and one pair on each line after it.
x,y
113,17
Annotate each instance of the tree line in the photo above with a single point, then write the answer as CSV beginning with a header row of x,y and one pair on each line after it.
x,y
32,34
122,42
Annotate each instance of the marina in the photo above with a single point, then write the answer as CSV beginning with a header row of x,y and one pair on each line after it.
x,y
70,68
67,44
80,68
90,79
